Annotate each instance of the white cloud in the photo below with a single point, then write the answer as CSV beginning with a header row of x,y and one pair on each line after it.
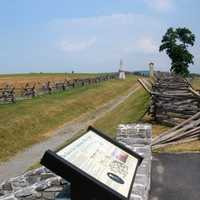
x,y
160,5
128,36
75,46
147,45
144,45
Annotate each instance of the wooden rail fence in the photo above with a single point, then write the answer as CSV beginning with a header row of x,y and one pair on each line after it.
x,y
10,94
172,98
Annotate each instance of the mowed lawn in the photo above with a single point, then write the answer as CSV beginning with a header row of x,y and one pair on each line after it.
x,y
30,121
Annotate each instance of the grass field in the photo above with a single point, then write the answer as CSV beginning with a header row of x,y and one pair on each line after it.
x,y
19,80
31,121
196,83
130,111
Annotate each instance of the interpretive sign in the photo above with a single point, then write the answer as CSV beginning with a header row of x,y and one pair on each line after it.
x,y
96,166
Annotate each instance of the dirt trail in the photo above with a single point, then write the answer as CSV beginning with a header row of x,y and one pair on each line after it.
x,y
23,160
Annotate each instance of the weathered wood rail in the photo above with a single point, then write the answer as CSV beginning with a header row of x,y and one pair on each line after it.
x,y
172,98
10,94
7,94
187,131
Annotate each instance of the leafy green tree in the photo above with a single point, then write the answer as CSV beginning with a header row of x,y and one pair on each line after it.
x,y
176,42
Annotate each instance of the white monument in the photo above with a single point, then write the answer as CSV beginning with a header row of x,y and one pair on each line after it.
x,y
122,75
151,69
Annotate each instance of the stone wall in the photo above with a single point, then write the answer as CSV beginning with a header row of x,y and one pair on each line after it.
x,y
42,184
138,137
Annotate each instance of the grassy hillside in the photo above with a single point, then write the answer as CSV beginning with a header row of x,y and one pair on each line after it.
x,y
31,121
129,111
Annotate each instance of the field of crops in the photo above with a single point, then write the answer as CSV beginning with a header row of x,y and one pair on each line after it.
x,y
20,80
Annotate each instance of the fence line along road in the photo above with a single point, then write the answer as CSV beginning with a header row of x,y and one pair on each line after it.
x,y
10,94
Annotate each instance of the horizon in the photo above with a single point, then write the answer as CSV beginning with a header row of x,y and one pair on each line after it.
x,y
57,36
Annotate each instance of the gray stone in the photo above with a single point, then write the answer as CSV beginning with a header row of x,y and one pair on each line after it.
x,y
55,181
41,186
32,179
24,192
45,176
137,137
8,197
19,183
36,194
139,191
48,195
39,171
54,189
7,186
33,196
141,180
135,197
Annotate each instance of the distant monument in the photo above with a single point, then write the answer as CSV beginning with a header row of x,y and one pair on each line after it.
x,y
151,69
122,75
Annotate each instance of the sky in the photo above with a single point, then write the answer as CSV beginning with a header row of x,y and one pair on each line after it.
x,y
91,35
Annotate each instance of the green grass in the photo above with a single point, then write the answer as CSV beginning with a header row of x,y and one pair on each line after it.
x,y
180,148
30,121
129,111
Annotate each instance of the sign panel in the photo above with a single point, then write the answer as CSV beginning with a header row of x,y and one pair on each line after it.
x,y
102,161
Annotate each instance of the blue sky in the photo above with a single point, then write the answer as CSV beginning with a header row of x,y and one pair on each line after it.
x,y
91,35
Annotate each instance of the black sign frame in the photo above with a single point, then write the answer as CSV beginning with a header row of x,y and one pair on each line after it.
x,y
84,186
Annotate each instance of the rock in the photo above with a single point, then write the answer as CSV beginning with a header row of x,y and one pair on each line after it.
x,y
24,192
54,189
8,197
55,181
32,179
39,171
45,176
41,186
19,182
48,195
7,186
137,137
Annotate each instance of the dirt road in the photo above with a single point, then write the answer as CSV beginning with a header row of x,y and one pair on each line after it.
x,y
23,160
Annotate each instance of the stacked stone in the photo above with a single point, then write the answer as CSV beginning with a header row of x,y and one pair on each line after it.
x,y
137,137
40,184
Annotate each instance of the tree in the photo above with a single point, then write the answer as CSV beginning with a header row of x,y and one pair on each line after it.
x,y
176,42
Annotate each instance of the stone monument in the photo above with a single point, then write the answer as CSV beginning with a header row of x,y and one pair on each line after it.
x,y
151,69
122,75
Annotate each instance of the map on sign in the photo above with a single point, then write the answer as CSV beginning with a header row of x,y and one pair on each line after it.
x,y
102,160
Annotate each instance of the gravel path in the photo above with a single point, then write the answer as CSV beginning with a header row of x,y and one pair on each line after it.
x,y
23,160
